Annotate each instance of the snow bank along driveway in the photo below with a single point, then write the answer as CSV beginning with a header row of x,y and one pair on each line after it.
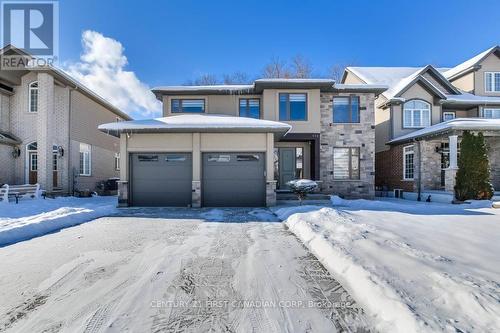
x,y
31,218
231,270
413,267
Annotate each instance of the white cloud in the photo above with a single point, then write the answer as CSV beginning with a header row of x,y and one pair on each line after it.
x,y
101,68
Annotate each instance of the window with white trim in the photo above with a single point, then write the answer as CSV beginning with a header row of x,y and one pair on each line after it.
x,y
492,81
491,113
448,115
117,161
416,114
346,163
408,162
85,159
33,97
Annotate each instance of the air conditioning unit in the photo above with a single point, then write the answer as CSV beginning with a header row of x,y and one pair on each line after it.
x,y
398,193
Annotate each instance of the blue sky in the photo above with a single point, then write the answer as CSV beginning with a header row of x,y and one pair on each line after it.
x,y
170,42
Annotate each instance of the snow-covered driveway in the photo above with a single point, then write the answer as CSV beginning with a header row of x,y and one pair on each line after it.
x,y
231,270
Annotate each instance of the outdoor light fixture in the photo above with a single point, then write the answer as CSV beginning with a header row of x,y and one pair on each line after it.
x,y
16,152
60,151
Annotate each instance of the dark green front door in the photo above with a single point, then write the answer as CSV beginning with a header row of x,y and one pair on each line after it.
x,y
286,166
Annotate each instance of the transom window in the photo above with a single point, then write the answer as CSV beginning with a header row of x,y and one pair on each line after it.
x,y
346,163
492,81
346,109
293,106
416,114
448,115
491,113
33,97
85,159
188,105
250,107
408,163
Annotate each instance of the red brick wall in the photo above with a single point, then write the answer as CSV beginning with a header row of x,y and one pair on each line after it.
x,y
389,169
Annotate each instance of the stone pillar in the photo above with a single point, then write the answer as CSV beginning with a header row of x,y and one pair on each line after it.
x,y
449,179
122,193
45,133
196,182
270,193
196,194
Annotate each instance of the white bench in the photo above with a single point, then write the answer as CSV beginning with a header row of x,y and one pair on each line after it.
x,y
20,191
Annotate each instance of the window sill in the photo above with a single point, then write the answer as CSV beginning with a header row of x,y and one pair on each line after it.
x,y
84,175
408,180
347,180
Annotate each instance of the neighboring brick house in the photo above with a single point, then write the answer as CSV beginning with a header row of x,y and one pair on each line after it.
x,y
240,144
420,118
48,131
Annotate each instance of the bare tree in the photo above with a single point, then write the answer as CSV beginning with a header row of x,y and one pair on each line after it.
x,y
203,80
301,67
276,68
236,78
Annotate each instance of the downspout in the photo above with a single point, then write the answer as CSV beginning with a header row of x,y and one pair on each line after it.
x,y
419,182
70,170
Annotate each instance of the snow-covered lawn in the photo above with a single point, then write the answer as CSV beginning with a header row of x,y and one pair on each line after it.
x,y
31,218
414,267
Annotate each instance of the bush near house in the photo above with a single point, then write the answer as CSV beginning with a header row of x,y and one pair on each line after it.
x,y
473,175
302,187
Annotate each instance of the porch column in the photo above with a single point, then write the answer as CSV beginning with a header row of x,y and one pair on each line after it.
x,y
197,162
453,142
451,172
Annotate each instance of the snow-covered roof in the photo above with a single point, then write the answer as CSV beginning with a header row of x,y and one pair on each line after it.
x,y
466,65
220,87
395,78
473,124
467,98
259,85
196,123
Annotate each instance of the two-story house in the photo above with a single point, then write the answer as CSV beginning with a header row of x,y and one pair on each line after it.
x,y
420,118
237,145
48,131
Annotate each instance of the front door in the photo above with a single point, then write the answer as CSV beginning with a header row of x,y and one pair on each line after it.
x,y
287,163
33,167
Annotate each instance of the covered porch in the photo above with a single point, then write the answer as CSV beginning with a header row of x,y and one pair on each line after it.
x,y
437,149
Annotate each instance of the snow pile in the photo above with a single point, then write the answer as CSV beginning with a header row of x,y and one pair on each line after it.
x,y
413,267
31,218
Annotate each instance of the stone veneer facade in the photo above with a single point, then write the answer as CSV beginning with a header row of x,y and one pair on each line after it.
x,y
360,135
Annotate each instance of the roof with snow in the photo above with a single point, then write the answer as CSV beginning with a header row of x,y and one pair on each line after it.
x,y
196,123
399,78
259,85
471,63
472,124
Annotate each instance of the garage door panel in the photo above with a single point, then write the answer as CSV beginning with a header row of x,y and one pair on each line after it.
x,y
161,179
233,179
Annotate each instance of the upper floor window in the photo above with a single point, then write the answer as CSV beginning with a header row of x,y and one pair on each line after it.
x,y
293,106
346,109
33,97
492,81
448,115
416,114
250,107
491,113
117,161
188,105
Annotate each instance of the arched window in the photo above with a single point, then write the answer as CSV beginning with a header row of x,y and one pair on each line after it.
x,y
33,97
416,114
